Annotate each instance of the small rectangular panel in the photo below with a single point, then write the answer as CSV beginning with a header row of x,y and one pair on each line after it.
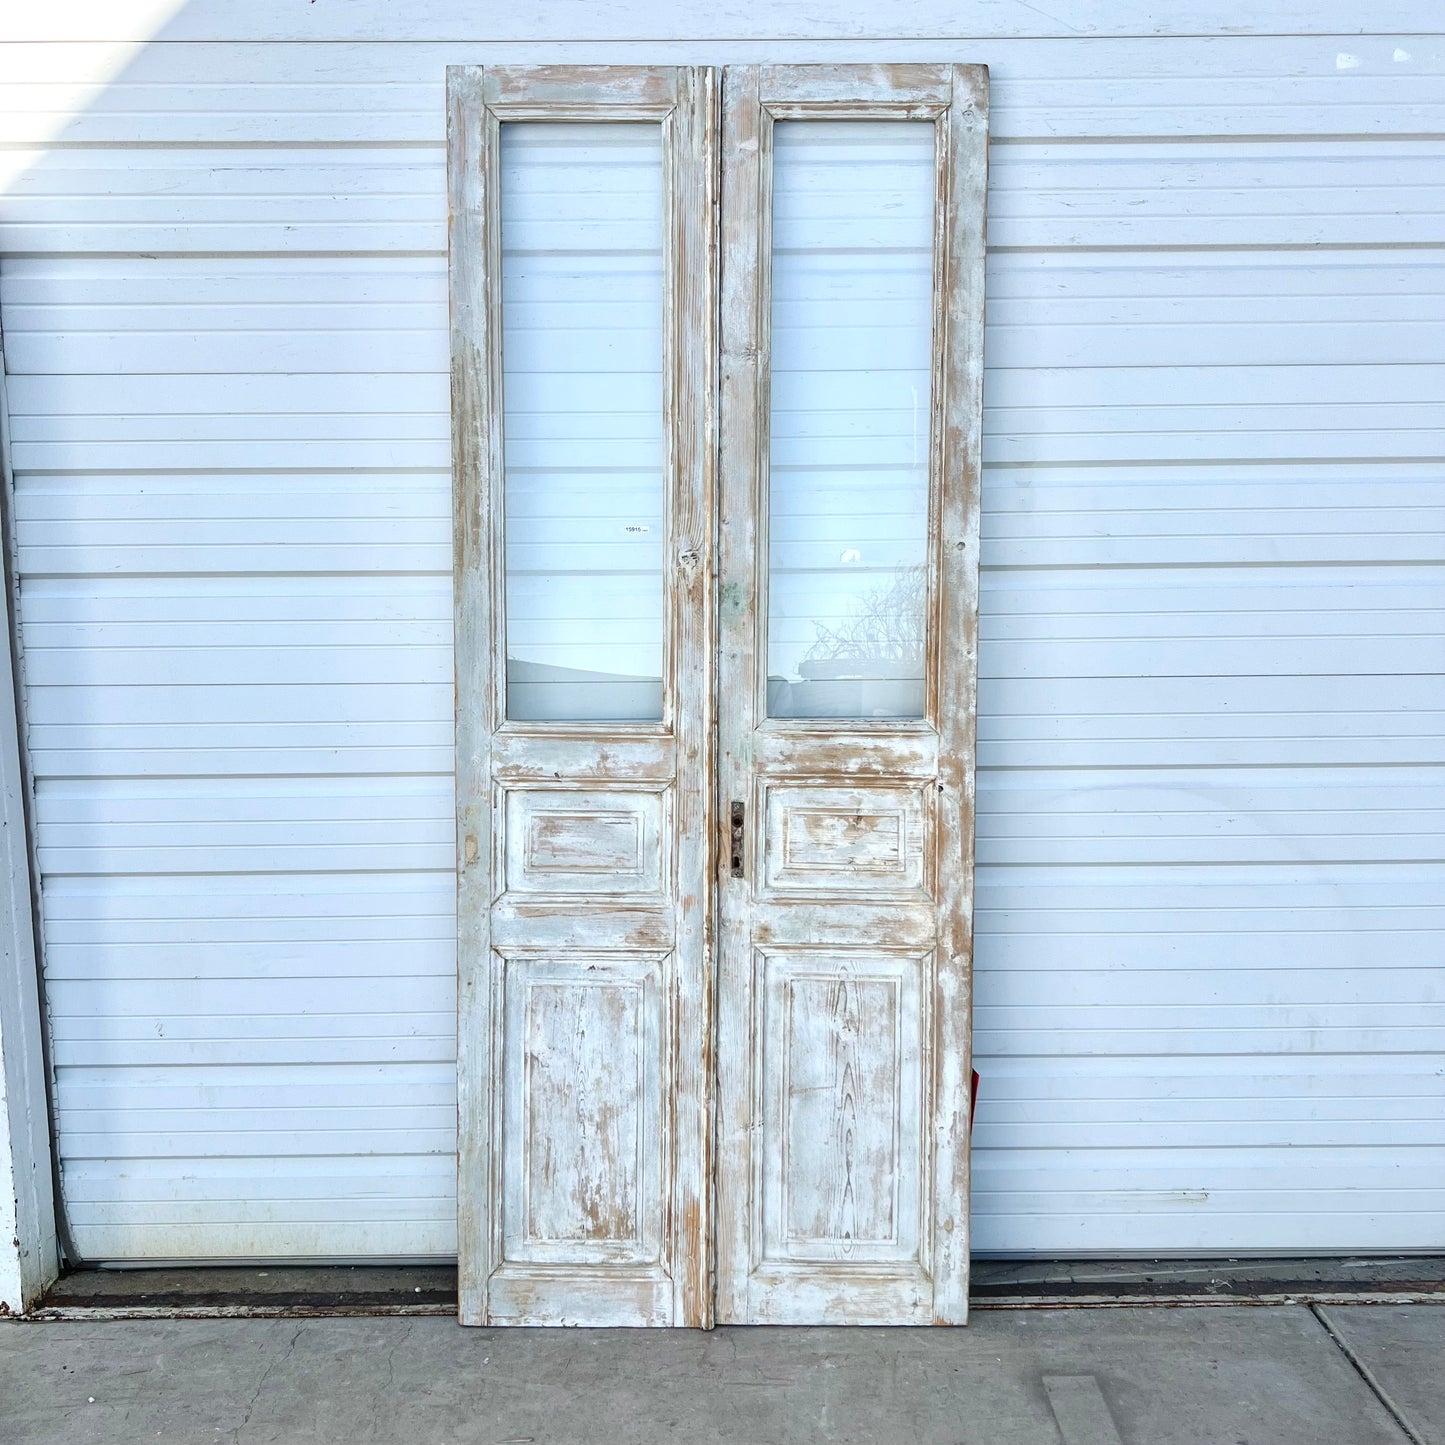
x,y
840,1153
825,839
582,1063
592,841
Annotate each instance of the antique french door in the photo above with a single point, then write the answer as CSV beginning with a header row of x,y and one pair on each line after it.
x,y
848,567
714,800
583,306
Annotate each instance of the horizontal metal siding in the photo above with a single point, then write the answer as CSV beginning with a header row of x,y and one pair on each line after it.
x,y
1210,893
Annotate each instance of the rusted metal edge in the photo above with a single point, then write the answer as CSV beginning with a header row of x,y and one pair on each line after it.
x,y
1201,1301
102,1314
72,1314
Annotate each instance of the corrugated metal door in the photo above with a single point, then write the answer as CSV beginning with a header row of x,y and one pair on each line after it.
x,y
1209,897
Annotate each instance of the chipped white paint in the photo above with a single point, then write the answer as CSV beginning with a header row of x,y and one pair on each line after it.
x,y
583,910
844,838
615,842
845,940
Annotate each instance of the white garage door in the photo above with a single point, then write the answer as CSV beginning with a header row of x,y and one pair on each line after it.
x,y
1210,896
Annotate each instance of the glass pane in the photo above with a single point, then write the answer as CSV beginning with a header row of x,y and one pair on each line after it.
x,y
852,348
582,419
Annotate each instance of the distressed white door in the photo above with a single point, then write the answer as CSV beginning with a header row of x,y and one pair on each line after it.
x,y
852,291
591,809
582,342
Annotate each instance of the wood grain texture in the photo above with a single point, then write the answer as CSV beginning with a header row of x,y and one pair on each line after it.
x,y
583,846
841,1129
743,371
846,943
476,460
830,839
609,842
582,1160
958,426
693,219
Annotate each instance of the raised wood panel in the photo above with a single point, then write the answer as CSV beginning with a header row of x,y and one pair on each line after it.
x,y
602,842
584,1055
841,1160
831,839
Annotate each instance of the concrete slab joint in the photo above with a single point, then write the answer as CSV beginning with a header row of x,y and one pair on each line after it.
x,y
1080,1410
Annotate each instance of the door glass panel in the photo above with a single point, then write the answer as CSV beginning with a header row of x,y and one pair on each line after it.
x,y
582,357
852,349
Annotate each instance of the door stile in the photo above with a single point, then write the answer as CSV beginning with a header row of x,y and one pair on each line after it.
x,y
743,419
584,1001
958,427
476,454
746,216
693,224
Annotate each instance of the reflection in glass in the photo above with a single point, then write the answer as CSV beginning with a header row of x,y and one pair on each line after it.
x,y
852,349
582,283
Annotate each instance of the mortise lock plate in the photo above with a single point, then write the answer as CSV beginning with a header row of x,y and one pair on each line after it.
x,y
735,834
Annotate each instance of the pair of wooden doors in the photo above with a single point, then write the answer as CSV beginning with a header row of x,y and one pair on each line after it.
x,y
716,404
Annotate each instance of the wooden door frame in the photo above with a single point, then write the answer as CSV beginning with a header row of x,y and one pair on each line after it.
x,y
493,753
955,97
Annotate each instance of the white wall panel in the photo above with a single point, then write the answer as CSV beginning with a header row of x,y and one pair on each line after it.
x,y
1085,195
614,20
324,93
1209,905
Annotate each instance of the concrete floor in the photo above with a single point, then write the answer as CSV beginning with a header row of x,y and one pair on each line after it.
x,y
1223,1375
